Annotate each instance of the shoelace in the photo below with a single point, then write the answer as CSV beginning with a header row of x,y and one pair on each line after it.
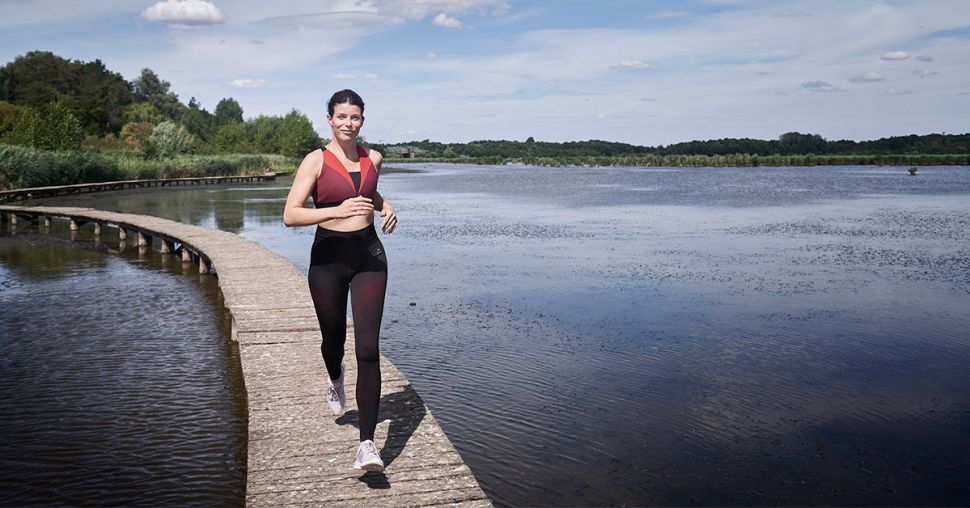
x,y
367,448
332,393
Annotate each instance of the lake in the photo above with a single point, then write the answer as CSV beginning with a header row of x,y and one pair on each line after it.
x,y
674,336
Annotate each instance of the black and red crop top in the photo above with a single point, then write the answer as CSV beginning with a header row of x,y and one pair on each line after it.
x,y
335,183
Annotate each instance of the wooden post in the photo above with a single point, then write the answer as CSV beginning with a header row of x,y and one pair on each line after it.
x,y
47,222
186,255
203,265
144,240
75,225
122,233
97,229
167,246
13,219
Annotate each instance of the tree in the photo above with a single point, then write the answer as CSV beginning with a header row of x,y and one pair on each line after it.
x,y
297,136
198,121
228,110
136,134
52,127
169,139
231,138
148,85
9,114
142,112
266,133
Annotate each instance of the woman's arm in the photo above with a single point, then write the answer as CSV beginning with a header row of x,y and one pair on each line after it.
x,y
380,204
387,212
295,214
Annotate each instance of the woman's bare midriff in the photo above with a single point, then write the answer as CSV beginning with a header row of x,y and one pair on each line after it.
x,y
349,224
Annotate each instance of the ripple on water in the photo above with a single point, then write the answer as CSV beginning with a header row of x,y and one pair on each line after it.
x,y
117,385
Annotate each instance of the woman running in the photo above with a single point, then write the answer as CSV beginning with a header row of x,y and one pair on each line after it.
x,y
346,256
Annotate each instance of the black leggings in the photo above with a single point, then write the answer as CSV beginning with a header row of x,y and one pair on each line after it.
x,y
353,261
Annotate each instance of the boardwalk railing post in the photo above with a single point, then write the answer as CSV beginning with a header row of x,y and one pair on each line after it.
x,y
186,255
167,246
144,240
47,222
97,229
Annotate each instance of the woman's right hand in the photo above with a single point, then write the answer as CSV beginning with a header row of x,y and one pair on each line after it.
x,y
355,206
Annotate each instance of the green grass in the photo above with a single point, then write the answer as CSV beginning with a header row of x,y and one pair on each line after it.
x,y
27,167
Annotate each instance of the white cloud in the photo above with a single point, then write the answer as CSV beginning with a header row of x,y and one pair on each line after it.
x,y
371,76
895,55
924,58
343,75
821,86
431,55
446,21
924,72
632,64
868,77
184,13
893,91
248,83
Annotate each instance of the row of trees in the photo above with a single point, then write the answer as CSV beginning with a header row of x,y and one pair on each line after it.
x,y
789,143
49,102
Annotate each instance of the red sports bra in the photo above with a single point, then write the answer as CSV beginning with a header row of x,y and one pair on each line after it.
x,y
335,184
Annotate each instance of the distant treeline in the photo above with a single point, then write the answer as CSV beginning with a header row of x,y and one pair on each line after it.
x,y
791,148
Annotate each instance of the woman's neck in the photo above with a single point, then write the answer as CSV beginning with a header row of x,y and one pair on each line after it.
x,y
349,149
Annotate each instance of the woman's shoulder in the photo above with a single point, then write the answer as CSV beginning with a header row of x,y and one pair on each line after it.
x,y
312,160
374,155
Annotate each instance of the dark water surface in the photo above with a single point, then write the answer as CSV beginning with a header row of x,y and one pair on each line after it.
x,y
118,383
755,336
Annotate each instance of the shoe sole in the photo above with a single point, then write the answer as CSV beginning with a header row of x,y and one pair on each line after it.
x,y
370,467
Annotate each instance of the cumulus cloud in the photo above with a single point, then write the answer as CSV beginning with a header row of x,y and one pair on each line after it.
x,y
821,86
446,21
924,72
895,55
248,83
184,13
868,77
632,64
925,58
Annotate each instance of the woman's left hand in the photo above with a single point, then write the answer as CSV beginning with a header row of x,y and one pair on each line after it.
x,y
389,222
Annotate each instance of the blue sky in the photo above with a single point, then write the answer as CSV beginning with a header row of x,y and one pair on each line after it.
x,y
643,72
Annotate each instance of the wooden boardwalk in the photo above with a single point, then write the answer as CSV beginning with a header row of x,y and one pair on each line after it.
x,y
80,188
298,452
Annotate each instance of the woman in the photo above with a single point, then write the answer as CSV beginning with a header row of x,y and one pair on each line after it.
x,y
346,256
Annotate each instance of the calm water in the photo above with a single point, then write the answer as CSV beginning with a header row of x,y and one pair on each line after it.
x,y
118,383
671,336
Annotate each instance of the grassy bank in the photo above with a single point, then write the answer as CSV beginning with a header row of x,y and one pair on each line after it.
x,y
735,160
27,167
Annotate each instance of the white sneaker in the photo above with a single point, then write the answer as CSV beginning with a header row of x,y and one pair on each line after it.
x,y
368,457
336,396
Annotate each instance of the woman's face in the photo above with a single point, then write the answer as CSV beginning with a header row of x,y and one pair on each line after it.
x,y
346,122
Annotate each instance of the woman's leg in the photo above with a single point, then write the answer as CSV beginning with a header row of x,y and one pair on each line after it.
x,y
367,290
328,288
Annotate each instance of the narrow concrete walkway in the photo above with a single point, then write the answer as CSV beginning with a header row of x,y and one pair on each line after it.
x,y
299,453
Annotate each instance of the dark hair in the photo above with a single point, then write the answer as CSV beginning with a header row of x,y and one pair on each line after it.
x,y
345,97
